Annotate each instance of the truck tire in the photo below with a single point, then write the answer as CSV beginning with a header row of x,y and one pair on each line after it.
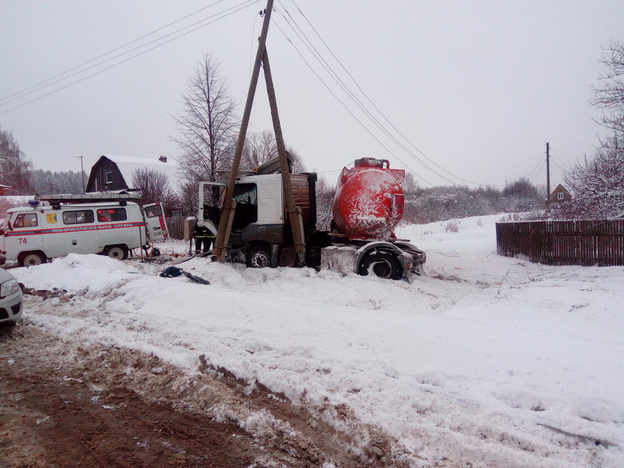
x,y
259,256
117,252
382,264
31,259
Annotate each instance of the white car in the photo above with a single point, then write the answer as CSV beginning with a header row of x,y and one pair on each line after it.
x,y
10,299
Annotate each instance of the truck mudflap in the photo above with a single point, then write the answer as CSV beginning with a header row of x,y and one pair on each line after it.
x,y
419,257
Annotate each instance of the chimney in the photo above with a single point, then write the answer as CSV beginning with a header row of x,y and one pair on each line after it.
x,y
163,159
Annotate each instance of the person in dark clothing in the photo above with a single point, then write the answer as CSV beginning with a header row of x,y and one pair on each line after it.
x,y
203,239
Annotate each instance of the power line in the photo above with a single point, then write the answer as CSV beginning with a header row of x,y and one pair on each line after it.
x,y
538,167
6,98
536,171
219,16
557,157
341,83
342,103
354,98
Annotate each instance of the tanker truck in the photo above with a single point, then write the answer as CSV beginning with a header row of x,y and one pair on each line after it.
x,y
367,207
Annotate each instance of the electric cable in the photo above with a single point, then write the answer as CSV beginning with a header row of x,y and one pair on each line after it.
x,y
362,107
536,171
378,110
540,163
344,105
230,11
2,100
251,46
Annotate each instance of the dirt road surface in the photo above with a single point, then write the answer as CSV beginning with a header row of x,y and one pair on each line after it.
x,y
68,404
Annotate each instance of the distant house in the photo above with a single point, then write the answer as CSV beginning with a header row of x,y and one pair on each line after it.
x,y
115,173
4,189
559,195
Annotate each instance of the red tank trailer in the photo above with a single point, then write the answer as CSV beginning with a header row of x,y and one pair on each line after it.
x,y
369,200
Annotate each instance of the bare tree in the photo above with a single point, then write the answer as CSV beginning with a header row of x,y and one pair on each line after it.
x,y
14,168
297,162
598,182
260,147
154,187
609,94
208,125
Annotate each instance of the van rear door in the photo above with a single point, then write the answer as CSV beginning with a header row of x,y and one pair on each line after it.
x,y
155,221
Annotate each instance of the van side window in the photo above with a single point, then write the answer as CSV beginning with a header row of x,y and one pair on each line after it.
x,y
111,214
26,220
153,211
78,217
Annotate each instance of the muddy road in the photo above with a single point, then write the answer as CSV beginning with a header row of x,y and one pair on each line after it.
x,y
64,403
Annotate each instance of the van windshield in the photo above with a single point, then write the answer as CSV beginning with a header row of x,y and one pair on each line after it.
x,y
25,220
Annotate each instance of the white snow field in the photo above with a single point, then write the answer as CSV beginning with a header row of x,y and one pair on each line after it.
x,y
485,361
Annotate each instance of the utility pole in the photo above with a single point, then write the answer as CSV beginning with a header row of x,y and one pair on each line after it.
x,y
229,205
294,215
84,190
547,176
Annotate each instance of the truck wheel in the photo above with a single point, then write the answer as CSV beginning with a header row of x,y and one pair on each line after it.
x,y
381,264
32,259
259,256
117,252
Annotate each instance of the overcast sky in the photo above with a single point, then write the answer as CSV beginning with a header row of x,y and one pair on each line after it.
x,y
472,89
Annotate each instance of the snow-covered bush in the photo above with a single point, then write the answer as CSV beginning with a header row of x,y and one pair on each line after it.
x,y
597,185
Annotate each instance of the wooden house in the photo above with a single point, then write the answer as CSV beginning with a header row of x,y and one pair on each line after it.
x,y
115,173
559,195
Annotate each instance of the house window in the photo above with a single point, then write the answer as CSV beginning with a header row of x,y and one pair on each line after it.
x,y
78,217
109,177
560,196
111,214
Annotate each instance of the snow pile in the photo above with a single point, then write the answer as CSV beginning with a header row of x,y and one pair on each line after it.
x,y
486,360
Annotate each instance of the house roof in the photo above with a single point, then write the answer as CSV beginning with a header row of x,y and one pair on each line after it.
x,y
561,188
128,164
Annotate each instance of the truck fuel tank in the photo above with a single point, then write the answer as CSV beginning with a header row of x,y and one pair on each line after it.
x,y
369,200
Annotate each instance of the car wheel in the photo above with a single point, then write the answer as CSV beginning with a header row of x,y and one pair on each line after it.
x,y
259,256
117,252
381,264
32,259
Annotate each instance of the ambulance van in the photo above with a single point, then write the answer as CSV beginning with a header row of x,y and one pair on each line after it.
x,y
44,230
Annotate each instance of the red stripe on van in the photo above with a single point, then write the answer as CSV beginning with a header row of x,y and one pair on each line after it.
x,y
63,230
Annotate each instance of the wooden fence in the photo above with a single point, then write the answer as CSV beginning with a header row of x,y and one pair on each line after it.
x,y
175,225
585,243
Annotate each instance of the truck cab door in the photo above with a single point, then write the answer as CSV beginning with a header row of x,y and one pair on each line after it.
x,y
155,222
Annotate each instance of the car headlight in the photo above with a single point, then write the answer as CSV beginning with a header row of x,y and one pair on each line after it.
x,y
8,288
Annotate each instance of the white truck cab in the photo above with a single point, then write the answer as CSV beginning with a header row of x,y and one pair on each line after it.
x,y
260,231
44,230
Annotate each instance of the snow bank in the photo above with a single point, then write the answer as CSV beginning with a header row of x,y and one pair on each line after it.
x,y
486,360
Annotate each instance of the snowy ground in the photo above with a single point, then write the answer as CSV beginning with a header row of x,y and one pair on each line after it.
x,y
487,360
